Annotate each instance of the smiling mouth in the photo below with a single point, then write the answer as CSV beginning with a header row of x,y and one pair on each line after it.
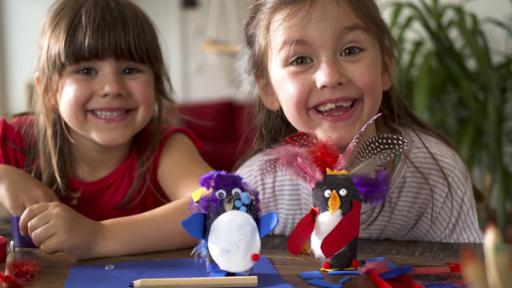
x,y
107,115
334,108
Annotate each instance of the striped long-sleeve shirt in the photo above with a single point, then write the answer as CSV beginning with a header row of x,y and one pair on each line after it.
x,y
419,205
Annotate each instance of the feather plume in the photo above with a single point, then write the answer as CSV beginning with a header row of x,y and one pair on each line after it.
x,y
292,160
201,251
324,156
373,190
376,151
352,149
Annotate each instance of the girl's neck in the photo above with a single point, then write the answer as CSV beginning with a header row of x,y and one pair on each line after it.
x,y
93,162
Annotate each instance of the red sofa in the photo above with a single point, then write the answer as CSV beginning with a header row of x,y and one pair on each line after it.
x,y
222,128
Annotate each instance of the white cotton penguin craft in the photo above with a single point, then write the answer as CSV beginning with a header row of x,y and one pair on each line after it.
x,y
227,221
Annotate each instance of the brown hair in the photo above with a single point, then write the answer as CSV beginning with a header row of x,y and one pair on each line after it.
x,y
271,127
81,30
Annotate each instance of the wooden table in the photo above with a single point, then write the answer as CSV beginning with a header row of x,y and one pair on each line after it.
x,y
54,268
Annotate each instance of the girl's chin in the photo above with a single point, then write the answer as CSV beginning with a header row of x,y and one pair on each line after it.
x,y
340,141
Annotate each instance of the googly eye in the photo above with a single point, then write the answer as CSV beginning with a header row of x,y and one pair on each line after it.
x,y
343,192
327,193
236,192
221,194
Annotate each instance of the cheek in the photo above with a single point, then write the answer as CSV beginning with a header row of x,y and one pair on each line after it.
x,y
145,92
67,98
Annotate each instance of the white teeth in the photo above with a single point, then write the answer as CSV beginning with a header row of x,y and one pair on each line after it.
x,y
329,106
108,114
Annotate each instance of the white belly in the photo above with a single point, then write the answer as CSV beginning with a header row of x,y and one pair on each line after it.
x,y
233,239
324,223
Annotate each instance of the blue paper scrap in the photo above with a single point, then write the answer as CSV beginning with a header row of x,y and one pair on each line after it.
x,y
344,280
395,272
308,275
121,274
344,272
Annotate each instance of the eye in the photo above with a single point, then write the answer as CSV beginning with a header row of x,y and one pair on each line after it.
x,y
236,192
86,71
131,70
221,194
343,192
327,193
301,60
350,51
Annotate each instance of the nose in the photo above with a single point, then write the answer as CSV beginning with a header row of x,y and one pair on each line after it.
x,y
329,75
113,85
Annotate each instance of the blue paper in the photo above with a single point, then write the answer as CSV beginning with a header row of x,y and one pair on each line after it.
x,y
395,272
344,272
121,274
308,275
344,280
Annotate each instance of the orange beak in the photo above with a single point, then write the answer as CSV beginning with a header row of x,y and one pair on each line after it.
x,y
334,202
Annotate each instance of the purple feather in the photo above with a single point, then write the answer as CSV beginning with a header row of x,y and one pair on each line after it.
x,y
220,179
373,190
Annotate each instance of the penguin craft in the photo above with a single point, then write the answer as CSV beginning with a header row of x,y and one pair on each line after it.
x,y
226,219
339,182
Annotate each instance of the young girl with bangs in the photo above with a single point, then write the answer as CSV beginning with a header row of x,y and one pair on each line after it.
x,y
95,172
325,67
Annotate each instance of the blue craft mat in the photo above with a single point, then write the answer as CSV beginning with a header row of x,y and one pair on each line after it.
x,y
123,273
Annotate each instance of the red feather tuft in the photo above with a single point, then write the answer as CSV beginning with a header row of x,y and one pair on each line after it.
x,y
324,156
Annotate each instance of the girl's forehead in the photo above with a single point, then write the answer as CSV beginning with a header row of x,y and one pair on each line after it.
x,y
324,17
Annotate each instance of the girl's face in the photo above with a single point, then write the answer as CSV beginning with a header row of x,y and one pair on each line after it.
x,y
106,102
326,71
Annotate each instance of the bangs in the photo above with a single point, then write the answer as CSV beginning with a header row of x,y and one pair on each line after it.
x,y
97,32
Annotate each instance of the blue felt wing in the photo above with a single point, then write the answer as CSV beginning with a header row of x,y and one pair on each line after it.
x,y
267,223
194,225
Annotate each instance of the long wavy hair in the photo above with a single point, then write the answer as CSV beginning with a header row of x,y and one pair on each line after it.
x,y
271,127
82,30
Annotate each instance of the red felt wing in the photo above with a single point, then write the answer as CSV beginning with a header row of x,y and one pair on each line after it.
x,y
345,231
302,232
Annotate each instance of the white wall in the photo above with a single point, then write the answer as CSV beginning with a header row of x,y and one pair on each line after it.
x,y
196,75
21,22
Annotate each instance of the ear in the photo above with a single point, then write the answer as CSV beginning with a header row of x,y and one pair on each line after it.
x,y
268,96
387,72
50,101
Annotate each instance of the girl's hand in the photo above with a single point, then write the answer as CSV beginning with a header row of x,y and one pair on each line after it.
x,y
56,227
19,190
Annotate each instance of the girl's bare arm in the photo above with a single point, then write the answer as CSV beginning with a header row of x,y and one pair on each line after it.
x,y
181,166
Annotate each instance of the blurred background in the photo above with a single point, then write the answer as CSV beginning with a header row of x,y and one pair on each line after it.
x,y
455,71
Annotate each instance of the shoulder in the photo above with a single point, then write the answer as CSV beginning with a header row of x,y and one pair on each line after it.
x,y
19,130
180,165
169,132
271,181
279,192
16,124
431,155
177,144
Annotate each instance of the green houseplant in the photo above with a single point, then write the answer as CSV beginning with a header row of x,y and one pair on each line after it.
x,y
454,80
